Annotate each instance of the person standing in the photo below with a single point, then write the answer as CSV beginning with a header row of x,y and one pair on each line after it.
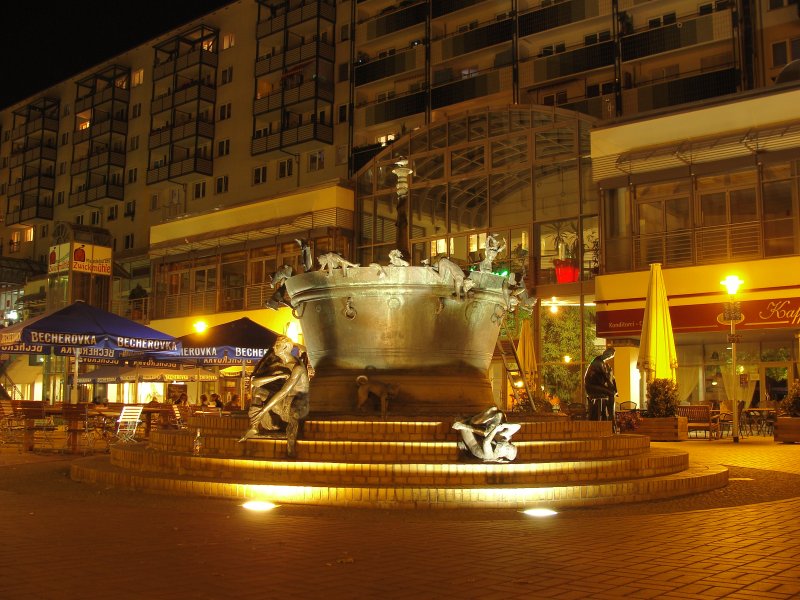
x,y
601,388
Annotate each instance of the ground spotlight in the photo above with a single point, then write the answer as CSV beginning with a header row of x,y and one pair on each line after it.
x,y
540,512
259,505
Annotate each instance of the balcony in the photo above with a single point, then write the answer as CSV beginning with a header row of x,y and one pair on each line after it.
x,y
683,34
35,126
397,20
570,62
388,110
600,107
673,92
484,36
100,128
181,170
310,90
445,7
101,159
95,193
190,92
293,136
193,58
28,155
555,15
181,131
321,9
106,95
474,86
391,65
295,56
32,210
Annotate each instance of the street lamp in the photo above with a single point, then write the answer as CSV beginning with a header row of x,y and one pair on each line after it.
x,y
733,314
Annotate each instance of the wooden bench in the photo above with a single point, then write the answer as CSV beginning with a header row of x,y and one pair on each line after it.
x,y
701,417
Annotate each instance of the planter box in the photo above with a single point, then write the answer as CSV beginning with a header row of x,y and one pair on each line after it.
x,y
787,430
664,429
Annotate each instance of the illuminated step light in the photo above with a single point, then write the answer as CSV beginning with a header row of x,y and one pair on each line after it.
x,y
259,505
540,512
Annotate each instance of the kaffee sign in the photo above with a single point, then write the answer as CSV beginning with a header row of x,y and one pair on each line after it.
x,y
756,314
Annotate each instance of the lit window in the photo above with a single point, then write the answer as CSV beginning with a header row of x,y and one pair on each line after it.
x,y
137,78
228,41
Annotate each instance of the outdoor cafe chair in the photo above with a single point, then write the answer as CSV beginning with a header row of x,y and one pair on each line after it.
x,y
178,419
11,425
129,420
628,405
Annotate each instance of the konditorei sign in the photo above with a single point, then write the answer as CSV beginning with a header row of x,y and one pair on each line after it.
x,y
756,314
82,258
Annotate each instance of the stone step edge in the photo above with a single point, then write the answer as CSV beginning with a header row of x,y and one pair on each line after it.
x,y
695,479
652,463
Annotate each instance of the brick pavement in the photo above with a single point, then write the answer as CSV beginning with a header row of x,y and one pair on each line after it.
x,y
64,540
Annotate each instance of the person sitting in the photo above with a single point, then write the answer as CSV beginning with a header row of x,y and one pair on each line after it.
x,y
203,401
215,401
233,403
182,400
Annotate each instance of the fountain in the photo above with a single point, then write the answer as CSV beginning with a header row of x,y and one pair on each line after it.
x,y
420,339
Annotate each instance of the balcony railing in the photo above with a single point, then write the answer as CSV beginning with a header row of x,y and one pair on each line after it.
x,y
292,136
284,97
106,191
273,63
398,19
398,107
323,9
475,85
390,66
31,212
562,64
472,40
680,90
674,36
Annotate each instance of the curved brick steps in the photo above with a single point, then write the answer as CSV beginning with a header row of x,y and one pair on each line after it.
x,y
395,451
693,480
649,464
349,461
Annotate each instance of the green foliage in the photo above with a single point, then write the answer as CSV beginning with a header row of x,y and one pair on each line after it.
x,y
662,398
628,421
791,403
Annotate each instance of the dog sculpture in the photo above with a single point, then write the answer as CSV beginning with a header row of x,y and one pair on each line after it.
x,y
332,261
383,391
448,270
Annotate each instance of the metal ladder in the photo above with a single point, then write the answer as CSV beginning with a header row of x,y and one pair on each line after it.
x,y
511,363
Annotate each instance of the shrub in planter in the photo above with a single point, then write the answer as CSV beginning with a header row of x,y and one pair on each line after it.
x,y
662,398
790,405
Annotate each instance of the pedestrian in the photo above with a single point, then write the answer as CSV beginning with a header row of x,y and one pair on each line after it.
x,y
601,388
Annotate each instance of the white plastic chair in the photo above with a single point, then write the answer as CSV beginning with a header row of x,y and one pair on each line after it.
x,y
129,420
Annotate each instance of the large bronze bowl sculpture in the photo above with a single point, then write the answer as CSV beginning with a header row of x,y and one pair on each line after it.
x,y
407,326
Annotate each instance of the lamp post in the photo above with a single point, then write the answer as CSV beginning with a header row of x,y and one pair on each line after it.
x,y
733,314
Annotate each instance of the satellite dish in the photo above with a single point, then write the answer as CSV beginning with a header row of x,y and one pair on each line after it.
x,y
790,72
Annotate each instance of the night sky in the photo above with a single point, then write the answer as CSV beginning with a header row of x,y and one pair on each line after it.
x,y
47,41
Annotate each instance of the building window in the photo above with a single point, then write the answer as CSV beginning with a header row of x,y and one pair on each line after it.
x,y
260,175
225,111
227,75
113,211
128,241
60,197
132,175
64,139
137,78
62,168
79,219
130,209
344,72
223,147
343,113
344,32
136,111
66,110
44,231
228,41
154,202
134,142
316,160
285,168
199,190
96,217
222,184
